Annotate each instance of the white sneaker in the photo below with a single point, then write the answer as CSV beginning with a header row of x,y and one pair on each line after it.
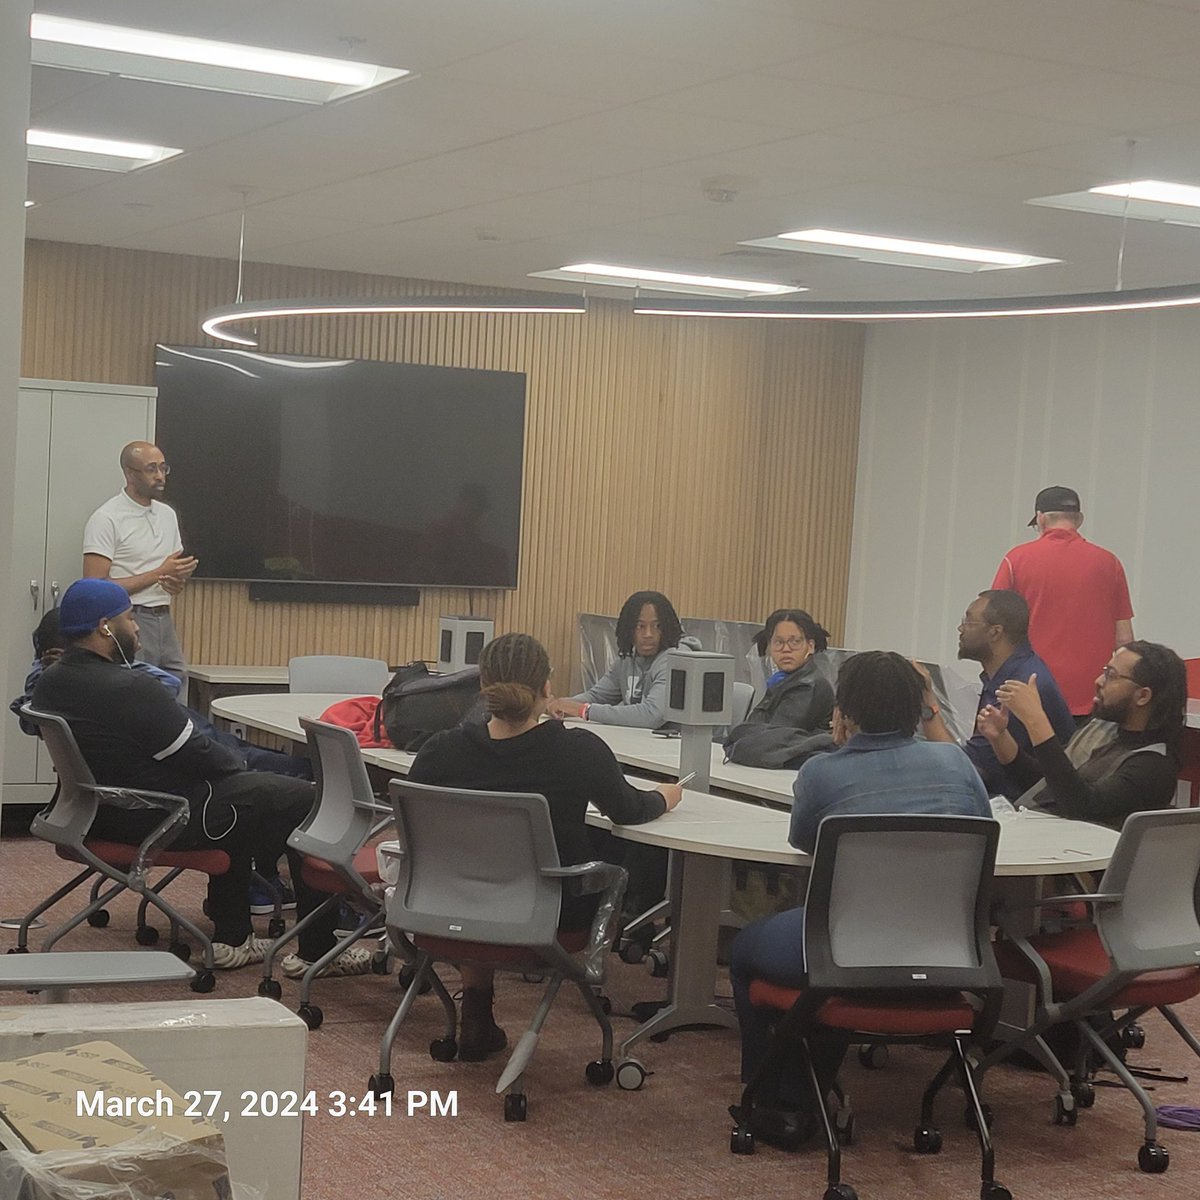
x,y
230,958
355,961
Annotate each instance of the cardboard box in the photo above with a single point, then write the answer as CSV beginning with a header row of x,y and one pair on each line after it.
x,y
92,1114
196,1044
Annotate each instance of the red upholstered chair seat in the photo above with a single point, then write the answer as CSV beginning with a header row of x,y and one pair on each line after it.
x,y
451,950
903,1018
1077,960
320,875
118,854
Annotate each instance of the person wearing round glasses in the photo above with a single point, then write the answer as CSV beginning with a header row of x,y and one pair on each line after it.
x,y
798,700
134,540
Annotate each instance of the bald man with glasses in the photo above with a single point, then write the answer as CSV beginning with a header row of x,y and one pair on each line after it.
x,y
133,539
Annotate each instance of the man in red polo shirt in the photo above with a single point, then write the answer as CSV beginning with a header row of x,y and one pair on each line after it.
x,y
1078,599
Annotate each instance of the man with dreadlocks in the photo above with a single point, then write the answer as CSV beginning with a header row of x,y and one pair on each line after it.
x,y
1123,761
634,691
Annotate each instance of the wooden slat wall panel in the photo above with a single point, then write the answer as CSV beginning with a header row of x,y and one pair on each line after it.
x,y
713,460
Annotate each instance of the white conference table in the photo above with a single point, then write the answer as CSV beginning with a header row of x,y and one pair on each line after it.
x,y
704,833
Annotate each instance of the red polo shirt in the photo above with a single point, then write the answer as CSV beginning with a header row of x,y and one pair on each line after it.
x,y
1076,592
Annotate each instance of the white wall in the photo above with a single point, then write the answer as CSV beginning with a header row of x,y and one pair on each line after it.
x,y
963,421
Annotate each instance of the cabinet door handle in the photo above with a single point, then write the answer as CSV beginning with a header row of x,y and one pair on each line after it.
x,y
54,589
35,590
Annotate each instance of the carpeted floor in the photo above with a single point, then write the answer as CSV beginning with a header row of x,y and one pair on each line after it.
x,y
670,1139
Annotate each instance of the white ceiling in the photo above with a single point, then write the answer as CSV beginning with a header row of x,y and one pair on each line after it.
x,y
544,132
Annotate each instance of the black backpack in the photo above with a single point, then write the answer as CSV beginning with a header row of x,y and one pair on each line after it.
x,y
416,705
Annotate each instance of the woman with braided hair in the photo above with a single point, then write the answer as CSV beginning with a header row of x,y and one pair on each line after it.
x,y
514,751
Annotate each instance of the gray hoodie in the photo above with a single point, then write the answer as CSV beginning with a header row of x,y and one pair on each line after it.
x,y
634,690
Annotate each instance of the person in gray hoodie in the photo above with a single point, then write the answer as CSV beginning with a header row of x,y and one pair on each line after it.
x,y
634,690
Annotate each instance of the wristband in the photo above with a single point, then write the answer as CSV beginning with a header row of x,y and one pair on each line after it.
x,y
583,712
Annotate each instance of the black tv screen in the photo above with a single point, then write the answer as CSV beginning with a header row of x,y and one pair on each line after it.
x,y
342,470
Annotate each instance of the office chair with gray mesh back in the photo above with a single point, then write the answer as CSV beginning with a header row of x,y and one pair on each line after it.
x,y
337,673
480,882
65,823
338,861
741,703
895,946
1142,952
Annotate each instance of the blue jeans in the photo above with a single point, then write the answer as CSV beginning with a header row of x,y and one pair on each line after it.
x,y
772,948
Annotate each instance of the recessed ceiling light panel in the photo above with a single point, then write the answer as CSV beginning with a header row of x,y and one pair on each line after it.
x,y
649,279
94,153
1139,200
899,252
199,62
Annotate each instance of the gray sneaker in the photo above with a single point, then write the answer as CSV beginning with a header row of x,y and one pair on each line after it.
x,y
230,958
355,961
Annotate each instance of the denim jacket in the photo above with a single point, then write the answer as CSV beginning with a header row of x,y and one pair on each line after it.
x,y
885,773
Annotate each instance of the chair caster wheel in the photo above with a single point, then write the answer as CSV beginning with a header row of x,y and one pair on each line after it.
x,y
379,964
100,918
843,1126
630,1075
515,1106
994,1191
927,1140
599,1073
1065,1112
873,1056
204,981
311,1015
631,952
144,935
840,1191
381,1085
276,927
660,964
1084,1093
181,950
270,988
443,1049
1133,1037
1153,1158
741,1141
988,1116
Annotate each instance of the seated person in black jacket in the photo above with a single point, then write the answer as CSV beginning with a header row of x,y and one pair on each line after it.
x,y
513,752
798,698
1125,760
132,734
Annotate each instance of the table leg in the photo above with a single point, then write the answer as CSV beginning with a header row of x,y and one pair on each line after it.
x,y
699,889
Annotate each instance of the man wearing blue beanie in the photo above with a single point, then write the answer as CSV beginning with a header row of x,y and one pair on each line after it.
x,y
132,734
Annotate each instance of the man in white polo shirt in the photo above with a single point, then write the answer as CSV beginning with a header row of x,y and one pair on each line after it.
x,y
134,540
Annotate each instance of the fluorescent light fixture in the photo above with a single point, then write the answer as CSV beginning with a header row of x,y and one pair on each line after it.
x,y
217,322
198,62
664,281
1157,191
100,154
1139,200
1180,296
899,252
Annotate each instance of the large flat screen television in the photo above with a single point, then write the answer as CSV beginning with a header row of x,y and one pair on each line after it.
x,y
341,470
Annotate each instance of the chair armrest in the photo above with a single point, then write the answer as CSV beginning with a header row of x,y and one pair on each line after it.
x,y
175,808
1068,898
586,879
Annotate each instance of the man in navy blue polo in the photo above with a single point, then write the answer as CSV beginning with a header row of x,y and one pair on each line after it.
x,y
995,633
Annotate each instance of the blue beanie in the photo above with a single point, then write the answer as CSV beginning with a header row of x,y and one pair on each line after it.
x,y
87,602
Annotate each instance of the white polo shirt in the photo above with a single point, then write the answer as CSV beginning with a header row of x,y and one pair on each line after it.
x,y
136,537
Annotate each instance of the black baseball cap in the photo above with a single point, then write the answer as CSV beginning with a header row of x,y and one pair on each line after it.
x,y
1055,499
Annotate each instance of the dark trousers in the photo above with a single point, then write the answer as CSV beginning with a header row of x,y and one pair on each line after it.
x,y
772,948
249,816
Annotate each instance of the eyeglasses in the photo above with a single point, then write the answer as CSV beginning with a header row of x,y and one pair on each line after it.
x,y
792,643
155,469
1108,673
